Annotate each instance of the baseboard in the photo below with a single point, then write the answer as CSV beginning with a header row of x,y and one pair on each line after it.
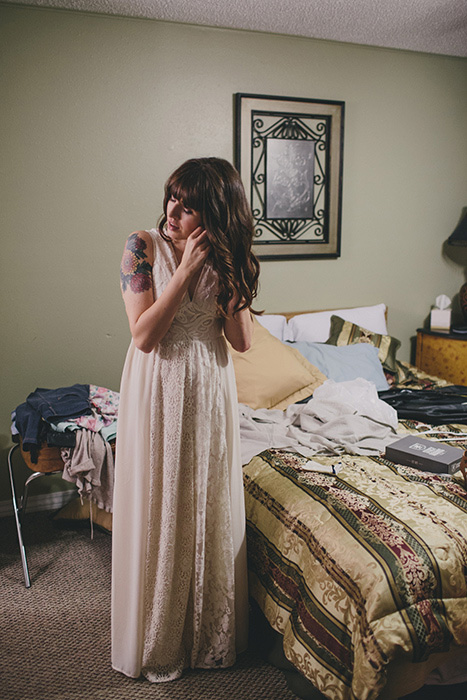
x,y
42,501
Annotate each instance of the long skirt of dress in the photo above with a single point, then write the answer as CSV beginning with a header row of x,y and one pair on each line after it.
x,y
179,575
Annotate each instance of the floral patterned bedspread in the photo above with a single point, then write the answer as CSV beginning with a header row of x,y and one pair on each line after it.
x,y
359,569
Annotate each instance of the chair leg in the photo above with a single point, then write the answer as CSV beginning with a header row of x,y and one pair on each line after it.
x,y
20,509
17,511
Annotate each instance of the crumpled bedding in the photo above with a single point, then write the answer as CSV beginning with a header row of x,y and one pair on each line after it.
x,y
342,417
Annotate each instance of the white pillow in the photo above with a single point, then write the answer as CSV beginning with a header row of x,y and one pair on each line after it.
x,y
315,328
275,324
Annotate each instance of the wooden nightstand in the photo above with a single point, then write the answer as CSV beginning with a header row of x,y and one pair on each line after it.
x,y
443,355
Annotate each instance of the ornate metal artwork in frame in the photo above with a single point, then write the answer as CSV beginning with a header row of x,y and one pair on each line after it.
x,y
289,153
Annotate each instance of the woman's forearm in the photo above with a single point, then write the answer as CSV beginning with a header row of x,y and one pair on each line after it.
x,y
238,329
152,325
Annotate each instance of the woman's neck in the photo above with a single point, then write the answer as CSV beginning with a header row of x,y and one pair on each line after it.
x,y
178,248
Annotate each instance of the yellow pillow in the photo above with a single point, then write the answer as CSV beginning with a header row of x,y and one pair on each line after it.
x,y
271,374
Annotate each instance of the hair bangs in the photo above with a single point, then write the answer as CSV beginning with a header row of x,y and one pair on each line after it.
x,y
189,190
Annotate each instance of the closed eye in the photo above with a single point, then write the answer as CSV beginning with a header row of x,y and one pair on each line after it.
x,y
176,201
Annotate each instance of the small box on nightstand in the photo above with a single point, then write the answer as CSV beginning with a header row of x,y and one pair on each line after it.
x,y
440,320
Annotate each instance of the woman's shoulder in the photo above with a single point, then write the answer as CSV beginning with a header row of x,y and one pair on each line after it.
x,y
142,243
135,238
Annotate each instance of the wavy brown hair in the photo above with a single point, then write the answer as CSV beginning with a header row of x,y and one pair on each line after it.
x,y
212,187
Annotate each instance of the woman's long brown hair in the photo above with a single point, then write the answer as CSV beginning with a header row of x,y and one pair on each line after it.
x,y
212,186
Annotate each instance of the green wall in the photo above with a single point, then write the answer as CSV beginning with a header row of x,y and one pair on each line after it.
x,y
97,110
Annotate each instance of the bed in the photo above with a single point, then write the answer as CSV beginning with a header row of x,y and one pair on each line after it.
x,y
361,574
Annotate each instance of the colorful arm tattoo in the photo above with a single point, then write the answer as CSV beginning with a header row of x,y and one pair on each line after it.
x,y
135,271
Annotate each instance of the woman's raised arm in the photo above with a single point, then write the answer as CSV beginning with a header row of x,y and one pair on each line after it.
x,y
151,318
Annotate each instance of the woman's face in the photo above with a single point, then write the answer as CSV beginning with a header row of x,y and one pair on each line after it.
x,y
181,221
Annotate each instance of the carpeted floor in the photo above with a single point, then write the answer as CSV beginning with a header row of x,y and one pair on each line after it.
x,y
55,636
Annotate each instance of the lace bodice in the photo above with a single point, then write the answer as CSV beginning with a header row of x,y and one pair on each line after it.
x,y
193,322
197,317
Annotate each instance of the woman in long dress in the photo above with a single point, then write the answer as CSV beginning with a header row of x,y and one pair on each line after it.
x,y
179,579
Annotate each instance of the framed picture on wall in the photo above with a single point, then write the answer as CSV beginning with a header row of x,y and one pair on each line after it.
x,y
289,152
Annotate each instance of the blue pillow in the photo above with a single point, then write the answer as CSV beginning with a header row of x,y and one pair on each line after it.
x,y
346,362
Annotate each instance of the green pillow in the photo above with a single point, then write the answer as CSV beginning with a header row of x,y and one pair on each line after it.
x,y
347,333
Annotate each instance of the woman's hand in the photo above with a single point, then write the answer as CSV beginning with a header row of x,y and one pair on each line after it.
x,y
196,250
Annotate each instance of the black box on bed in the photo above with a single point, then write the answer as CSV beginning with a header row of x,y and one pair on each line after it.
x,y
428,455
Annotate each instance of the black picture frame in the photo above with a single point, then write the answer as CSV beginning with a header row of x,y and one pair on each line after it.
x,y
289,152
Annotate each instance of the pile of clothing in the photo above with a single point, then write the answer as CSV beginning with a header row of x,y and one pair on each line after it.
x,y
340,418
82,421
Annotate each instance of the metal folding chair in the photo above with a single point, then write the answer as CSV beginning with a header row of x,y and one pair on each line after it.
x,y
49,463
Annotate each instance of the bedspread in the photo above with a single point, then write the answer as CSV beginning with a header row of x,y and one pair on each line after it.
x,y
358,570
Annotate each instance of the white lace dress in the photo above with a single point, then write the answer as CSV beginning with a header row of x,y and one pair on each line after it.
x,y
179,579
